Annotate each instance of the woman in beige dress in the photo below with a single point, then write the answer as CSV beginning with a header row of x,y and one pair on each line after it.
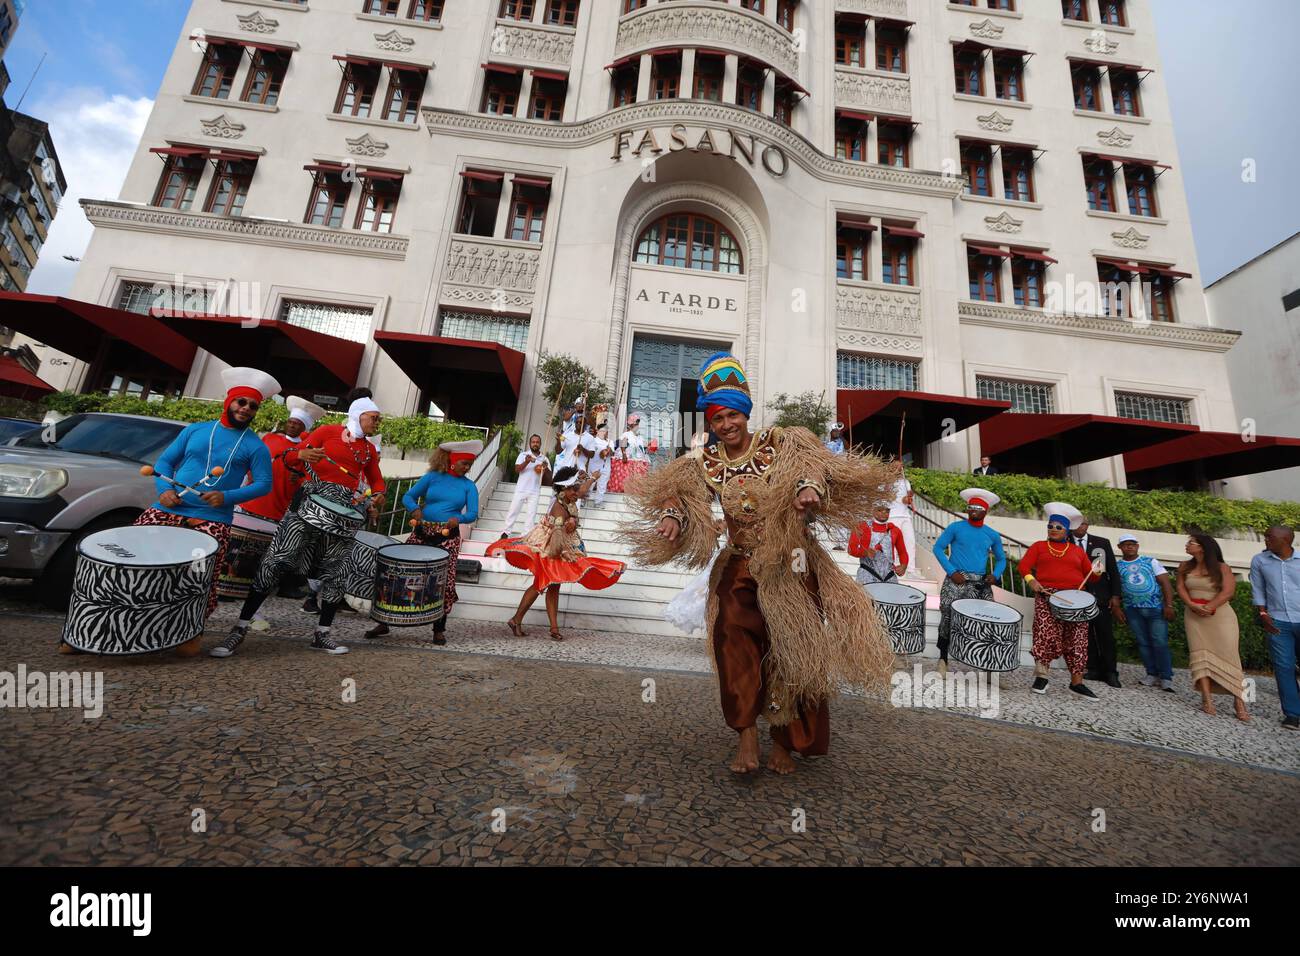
x,y
1206,585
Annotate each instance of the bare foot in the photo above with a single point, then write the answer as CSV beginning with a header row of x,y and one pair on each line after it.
x,y
780,762
1242,713
746,758
190,648
1207,705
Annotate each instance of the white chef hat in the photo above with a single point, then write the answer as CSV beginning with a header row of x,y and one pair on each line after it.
x,y
304,411
242,381
981,498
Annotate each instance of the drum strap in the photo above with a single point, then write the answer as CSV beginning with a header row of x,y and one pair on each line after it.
x,y
872,571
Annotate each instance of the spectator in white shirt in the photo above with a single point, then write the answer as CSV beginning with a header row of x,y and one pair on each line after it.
x,y
530,468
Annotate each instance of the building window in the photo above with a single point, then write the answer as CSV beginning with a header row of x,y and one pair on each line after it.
x,y
19,261
548,99
852,251
709,71
29,231
266,76
850,41
329,197
1009,77
1158,291
501,93
562,13
341,321
1140,183
1027,281
976,161
1153,408
379,195
1075,10
893,145
1026,398
1099,176
878,374
1124,92
851,138
179,182
480,199
1018,174
383,8
625,82
1002,4
665,76
358,89
783,109
749,85
516,10
230,187
1112,13
755,5
1087,87
425,10
688,241
217,72
141,297
405,90
985,272
891,49
785,11
630,5
1115,289
508,330
969,66
528,212
898,260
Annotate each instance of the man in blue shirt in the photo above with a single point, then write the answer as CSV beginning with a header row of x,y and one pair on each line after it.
x,y
1275,589
1147,597
836,443
963,549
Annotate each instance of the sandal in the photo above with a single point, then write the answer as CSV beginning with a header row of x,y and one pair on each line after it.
x,y
556,636
515,628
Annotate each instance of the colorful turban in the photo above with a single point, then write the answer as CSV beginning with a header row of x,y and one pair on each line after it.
x,y
723,385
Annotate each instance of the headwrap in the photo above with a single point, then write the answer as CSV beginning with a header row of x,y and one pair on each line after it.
x,y
458,451
355,411
304,411
723,385
980,498
247,383
1060,513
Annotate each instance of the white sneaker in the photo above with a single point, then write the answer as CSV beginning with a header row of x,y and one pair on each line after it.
x,y
324,642
1149,681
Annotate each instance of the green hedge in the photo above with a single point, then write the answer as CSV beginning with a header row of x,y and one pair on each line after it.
x,y
406,433
1169,511
1254,641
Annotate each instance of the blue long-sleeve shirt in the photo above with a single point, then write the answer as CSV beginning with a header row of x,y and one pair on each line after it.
x,y
1275,585
970,547
187,459
442,497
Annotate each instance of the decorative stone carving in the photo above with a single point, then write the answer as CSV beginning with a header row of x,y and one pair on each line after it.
x,y
987,30
394,42
222,127
532,44
1003,223
708,22
1132,239
853,88
881,343
256,22
491,272
1099,42
367,145
1176,334
994,121
887,8
867,309
1115,137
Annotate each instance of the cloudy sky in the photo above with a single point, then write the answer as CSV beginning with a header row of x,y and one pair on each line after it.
x,y
1231,77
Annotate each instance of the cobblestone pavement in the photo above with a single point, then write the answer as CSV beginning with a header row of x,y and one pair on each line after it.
x,y
439,743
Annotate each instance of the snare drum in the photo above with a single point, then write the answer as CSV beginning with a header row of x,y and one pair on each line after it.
x,y
1073,607
250,538
409,581
985,634
359,570
333,518
902,609
140,589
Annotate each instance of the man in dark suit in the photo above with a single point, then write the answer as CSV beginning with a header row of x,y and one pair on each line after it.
x,y
1106,589
986,467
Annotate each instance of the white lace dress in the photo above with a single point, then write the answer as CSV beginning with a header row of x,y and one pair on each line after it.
x,y
686,611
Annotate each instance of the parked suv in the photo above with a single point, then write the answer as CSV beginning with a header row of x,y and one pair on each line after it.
x,y
66,480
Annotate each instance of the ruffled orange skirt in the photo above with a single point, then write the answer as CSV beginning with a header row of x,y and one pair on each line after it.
x,y
594,574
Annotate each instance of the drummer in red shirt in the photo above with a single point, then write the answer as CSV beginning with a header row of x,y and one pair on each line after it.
x,y
337,459
303,416
1058,564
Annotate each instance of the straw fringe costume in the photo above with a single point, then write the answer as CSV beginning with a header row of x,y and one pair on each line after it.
x,y
787,627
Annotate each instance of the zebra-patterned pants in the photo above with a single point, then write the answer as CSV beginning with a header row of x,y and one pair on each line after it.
x,y
214,529
975,588
302,549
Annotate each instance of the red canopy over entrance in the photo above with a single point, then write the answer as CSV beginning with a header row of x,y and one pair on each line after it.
x,y
472,382
1044,444
929,416
1209,456
303,361
80,329
17,382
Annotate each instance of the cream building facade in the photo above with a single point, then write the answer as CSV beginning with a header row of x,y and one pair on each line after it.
x,y
819,162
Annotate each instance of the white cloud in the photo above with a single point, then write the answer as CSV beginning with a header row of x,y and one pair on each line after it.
x,y
96,137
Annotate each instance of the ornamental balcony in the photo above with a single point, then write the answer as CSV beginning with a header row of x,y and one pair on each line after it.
x,y
707,23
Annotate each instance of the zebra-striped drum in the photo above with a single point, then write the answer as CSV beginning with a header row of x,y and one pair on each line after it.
x,y
139,589
409,583
359,570
250,538
985,634
1073,606
332,517
902,609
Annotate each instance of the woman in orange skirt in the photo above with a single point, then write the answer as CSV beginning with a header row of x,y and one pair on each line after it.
x,y
554,554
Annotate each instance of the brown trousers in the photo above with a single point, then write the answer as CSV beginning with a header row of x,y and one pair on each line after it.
x,y
740,644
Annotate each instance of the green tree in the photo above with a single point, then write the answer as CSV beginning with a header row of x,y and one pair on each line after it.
x,y
565,378
807,409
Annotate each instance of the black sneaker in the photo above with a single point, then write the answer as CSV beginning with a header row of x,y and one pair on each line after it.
x,y
1084,691
227,647
1113,681
1040,685
323,642
1291,723
310,605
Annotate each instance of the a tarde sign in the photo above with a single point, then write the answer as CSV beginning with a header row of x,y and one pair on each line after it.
x,y
648,144
665,300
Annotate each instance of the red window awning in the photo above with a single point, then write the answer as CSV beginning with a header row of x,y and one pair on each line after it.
x,y
990,251
358,60
181,152
426,358
844,222
233,156
482,176
324,167
80,329
622,61
930,413
1170,273
1035,255
533,181
904,231
1126,160
300,359
388,175
854,115
1071,439
17,382
1209,456
896,120
1120,264
239,41
550,75
501,68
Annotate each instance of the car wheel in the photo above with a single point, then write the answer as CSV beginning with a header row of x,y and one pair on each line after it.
x,y
54,587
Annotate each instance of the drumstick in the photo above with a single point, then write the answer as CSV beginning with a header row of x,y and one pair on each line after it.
x,y
149,472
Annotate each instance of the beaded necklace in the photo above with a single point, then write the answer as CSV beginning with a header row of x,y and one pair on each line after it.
x,y
208,480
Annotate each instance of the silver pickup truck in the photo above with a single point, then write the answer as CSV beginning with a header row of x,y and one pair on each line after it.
x,y
65,480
